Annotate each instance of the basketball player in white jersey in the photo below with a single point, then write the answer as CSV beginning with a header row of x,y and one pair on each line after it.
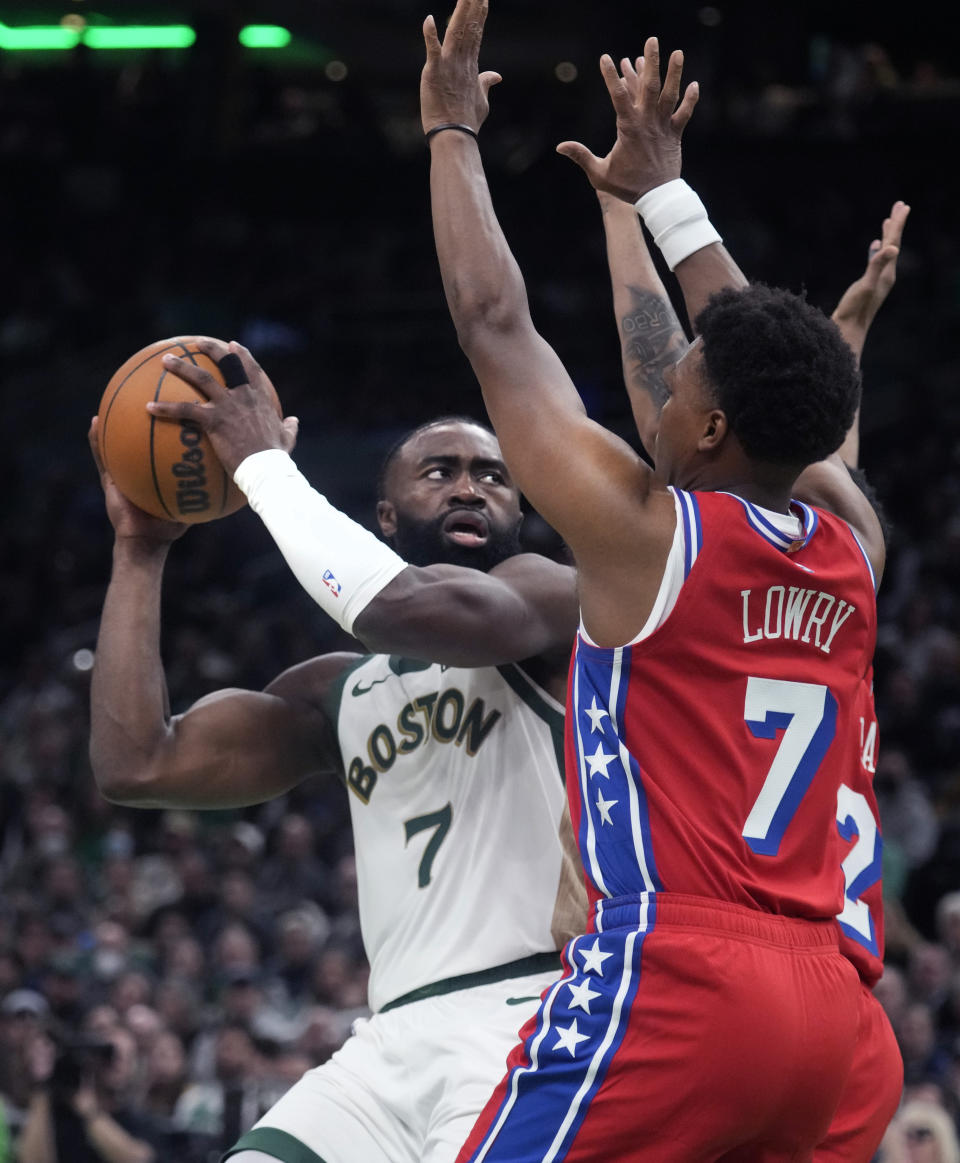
x,y
468,884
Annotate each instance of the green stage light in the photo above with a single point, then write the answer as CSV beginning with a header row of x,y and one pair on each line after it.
x,y
42,38
140,36
264,36
51,37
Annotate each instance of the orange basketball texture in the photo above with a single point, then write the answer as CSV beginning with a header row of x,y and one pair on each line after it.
x,y
168,468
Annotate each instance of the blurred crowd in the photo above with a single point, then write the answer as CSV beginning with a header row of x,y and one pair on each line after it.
x,y
172,973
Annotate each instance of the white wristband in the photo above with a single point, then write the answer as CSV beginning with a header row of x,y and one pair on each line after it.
x,y
677,219
341,565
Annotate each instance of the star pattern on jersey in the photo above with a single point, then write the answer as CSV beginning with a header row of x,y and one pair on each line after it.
x,y
599,761
596,714
594,958
569,1038
603,807
581,995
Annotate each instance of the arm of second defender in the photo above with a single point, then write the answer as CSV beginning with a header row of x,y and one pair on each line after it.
x,y
829,484
861,301
651,336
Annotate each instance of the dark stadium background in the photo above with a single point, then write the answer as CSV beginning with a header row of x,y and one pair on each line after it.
x,y
280,197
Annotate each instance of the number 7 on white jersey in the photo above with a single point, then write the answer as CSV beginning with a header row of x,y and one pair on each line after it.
x,y
807,715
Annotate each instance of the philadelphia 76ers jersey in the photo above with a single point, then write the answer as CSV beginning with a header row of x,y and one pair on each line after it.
x,y
705,758
858,820
465,857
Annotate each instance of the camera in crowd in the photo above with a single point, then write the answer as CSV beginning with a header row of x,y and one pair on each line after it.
x,y
79,1058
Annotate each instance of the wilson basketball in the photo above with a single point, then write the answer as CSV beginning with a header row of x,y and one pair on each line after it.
x,y
167,468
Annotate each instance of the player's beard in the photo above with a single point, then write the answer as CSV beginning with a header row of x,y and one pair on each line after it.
x,y
424,543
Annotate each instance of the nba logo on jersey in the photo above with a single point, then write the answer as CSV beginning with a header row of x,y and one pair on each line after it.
x,y
331,583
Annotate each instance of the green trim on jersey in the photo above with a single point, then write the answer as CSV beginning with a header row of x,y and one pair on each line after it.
x,y
274,1142
334,697
524,688
523,967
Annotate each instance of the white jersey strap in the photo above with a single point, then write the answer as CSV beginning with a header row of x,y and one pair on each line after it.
x,y
684,550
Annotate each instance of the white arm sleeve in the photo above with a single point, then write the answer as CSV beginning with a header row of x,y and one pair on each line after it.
x,y
341,565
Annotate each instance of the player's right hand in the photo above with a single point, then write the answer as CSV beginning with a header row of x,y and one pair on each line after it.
x,y
239,420
128,519
651,119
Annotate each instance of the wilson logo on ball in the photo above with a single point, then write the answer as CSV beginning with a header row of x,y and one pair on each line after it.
x,y
167,467
190,471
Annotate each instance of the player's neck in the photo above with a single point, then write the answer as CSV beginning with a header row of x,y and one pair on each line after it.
x,y
776,500
768,485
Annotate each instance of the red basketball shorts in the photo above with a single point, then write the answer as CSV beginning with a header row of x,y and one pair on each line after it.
x,y
872,1094
683,1030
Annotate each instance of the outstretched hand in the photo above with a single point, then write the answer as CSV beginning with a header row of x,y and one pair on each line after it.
x,y
651,119
240,420
864,297
452,90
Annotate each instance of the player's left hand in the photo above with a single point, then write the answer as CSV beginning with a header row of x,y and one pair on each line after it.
x,y
451,87
651,119
239,420
864,297
128,520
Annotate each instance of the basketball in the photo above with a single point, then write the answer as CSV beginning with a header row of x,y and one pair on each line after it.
x,y
167,468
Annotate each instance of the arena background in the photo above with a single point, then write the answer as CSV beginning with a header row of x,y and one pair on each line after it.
x,y
279,196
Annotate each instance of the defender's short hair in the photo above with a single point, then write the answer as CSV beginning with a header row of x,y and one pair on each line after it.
x,y
781,371
398,446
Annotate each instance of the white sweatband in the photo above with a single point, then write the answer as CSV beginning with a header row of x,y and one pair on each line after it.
x,y
677,219
341,565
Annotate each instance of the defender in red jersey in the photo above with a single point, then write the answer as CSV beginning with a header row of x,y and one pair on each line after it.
x,y
707,1013
651,337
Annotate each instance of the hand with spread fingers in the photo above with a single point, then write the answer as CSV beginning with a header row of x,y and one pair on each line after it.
x,y
651,119
864,297
239,420
452,90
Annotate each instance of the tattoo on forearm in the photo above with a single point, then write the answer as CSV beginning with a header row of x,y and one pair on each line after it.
x,y
652,340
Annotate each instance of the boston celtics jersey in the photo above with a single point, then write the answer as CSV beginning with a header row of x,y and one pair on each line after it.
x,y
465,857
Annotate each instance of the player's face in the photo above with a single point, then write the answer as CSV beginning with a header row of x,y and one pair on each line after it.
x,y
683,418
450,499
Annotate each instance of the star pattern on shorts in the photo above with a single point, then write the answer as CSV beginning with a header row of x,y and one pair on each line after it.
x,y
581,995
569,1038
603,807
596,714
600,761
593,958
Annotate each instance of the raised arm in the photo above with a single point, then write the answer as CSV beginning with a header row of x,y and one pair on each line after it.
x,y
862,300
643,167
829,484
543,429
651,336
455,615
229,749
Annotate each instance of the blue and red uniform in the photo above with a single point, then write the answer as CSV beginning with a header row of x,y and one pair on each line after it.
x,y
875,1084
707,1012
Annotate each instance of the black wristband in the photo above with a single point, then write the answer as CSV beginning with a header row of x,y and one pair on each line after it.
x,y
450,125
